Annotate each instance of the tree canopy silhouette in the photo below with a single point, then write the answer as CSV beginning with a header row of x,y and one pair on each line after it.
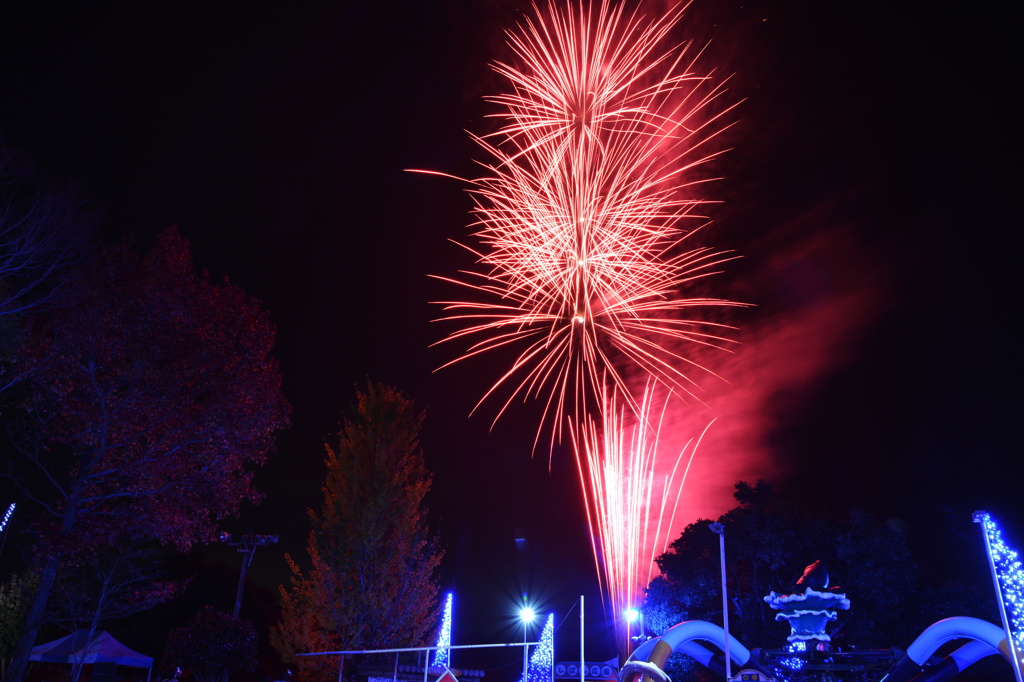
x,y
768,545
147,405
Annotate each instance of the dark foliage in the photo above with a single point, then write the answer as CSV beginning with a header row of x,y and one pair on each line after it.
x,y
124,579
15,598
45,227
213,645
768,545
147,405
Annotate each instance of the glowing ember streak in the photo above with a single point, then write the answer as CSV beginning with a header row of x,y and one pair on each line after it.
x,y
629,510
580,263
617,469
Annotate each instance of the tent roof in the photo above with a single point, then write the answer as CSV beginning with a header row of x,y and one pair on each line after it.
x,y
102,649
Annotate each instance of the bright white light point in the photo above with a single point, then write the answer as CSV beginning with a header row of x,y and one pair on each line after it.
x,y
578,319
527,615
632,614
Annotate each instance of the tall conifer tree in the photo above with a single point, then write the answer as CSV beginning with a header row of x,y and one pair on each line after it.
x,y
372,576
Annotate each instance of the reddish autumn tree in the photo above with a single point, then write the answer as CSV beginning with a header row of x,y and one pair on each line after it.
x,y
372,575
148,403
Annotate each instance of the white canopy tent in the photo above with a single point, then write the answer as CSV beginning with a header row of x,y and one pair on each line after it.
x,y
103,648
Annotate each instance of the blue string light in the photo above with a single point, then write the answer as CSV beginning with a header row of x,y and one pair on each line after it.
x,y
1009,580
443,654
7,517
795,663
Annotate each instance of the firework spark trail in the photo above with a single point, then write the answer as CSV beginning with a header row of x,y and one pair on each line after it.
x,y
617,462
580,265
581,262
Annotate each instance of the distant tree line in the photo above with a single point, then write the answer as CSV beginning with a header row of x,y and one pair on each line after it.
x,y
768,545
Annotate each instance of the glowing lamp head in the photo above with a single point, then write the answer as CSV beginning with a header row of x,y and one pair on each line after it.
x,y
632,614
578,319
527,615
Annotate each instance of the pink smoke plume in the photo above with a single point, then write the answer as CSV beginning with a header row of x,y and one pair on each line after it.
x,y
785,354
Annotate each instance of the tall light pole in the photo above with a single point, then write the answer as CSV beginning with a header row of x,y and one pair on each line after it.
x,y
720,529
527,615
583,658
247,545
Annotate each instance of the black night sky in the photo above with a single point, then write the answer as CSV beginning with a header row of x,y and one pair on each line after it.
x,y
872,189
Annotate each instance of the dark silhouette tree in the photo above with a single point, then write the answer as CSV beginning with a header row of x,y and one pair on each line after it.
x,y
45,231
148,404
371,580
121,580
213,645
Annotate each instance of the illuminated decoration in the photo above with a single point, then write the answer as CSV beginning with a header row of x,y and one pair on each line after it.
x,y
443,655
7,517
580,256
1008,576
810,605
795,663
542,659
808,656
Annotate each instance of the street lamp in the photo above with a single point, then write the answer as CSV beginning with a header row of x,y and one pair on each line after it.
x,y
247,545
633,615
527,615
718,528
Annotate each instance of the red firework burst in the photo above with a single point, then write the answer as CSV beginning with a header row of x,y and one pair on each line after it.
x,y
581,264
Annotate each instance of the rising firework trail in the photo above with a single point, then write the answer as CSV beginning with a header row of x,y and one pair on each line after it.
x,y
630,508
582,255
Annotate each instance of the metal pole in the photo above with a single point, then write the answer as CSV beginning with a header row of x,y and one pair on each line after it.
x,y
725,609
246,560
583,661
981,517
248,544
526,649
720,530
415,648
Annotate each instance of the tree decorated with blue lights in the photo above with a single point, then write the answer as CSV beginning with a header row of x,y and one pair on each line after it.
x,y
443,654
543,657
1008,574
